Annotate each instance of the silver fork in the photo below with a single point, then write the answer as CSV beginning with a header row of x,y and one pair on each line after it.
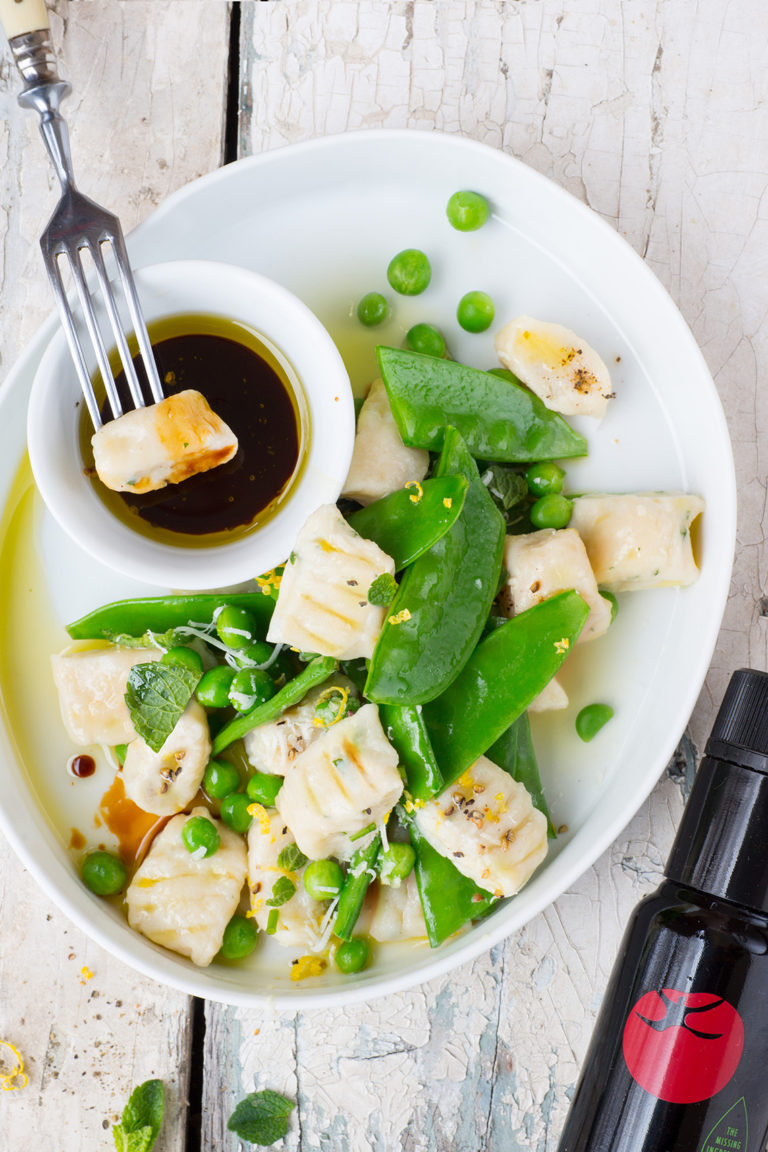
x,y
80,226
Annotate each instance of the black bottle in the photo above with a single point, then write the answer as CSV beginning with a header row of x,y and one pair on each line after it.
x,y
679,1058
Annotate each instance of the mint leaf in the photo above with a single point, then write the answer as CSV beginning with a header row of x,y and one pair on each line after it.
x,y
141,1119
156,696
262,1117
382,590
154,640
282,891
509,490
141,1140
291,858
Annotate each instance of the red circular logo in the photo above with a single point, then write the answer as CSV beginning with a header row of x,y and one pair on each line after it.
x,y
682,1046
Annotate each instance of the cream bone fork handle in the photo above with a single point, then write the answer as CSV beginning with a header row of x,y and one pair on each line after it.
x,y
78,225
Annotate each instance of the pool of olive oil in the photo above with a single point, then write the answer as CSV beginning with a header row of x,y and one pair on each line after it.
x,y
254,389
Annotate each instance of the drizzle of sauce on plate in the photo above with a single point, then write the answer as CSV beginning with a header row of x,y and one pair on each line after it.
x,y
133,827
81,766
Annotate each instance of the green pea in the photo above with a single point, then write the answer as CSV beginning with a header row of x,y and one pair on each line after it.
x,y
263,788
352,955
234,812
609,596
467,211
213,689
591,719
257,653
103,873
240,937
551,512
396,863
236,627
409,272
251,686
545,478
323,879
475,311
220,779
200,833
185,657
372,309
427,339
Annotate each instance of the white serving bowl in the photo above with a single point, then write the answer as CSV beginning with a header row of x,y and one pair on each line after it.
x,y
189,287
324,218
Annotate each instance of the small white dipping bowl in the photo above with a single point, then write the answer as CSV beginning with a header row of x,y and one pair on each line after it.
x,y
197,287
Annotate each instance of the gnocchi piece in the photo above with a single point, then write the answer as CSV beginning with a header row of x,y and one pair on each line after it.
x,y
394,913
184,903
551,699
164,443
347,780
549,561
323,601
299,920
164,782
639,541
487,825
273,747
91,687
381,463
556,364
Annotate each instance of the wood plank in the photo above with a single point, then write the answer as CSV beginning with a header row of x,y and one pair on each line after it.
x,y
653,116
146,116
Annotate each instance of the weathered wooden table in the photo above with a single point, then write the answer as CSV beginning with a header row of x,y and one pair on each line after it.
x,y
655,112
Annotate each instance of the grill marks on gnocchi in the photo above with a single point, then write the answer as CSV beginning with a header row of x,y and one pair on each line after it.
x,y
323,603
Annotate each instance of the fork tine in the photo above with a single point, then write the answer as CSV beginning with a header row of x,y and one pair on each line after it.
x,y
137,318
117,326
73,340
94,331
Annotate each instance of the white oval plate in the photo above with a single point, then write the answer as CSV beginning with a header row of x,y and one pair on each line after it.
x,y
324,219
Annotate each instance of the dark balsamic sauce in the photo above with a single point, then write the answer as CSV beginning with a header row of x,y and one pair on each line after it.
x,y
246,386
82,766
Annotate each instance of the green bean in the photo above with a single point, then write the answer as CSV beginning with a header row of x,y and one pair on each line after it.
x,y
162,613
515,754
407,733
507,670
444,596
498,418
295,690
448,898
360,873
406,523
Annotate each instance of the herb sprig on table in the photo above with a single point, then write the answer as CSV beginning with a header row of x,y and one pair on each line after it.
x,y
141,1119
262,1117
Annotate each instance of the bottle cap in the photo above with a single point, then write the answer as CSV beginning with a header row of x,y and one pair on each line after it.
x,y
721,847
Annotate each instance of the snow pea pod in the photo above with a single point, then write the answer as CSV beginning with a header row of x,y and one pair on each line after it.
x,y
162,613
294,691
356,883
514,752
408,522
504,674
448,899
444,597
406,732
496,415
